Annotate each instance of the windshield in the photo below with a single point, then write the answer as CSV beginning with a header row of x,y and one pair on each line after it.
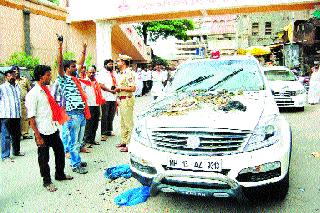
x,y
231,75
280,75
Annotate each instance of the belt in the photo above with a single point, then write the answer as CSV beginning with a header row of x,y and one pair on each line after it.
x,y
124,97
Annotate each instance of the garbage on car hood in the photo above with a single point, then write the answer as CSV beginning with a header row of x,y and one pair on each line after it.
x,y
196,100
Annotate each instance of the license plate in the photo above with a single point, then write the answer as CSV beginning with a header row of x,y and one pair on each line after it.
x,y
213,165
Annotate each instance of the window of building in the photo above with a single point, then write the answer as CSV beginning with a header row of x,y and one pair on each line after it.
x,y
268,28
255,28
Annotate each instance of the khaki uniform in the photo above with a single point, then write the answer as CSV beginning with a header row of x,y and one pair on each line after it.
x,y
25,87
126,104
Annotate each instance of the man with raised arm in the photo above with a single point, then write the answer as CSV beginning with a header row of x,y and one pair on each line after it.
x,y
76,107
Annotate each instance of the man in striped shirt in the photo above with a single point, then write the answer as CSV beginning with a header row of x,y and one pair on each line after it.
x,y
76,108
10,115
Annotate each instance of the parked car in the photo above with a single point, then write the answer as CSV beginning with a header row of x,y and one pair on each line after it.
x,y
287,89
216,131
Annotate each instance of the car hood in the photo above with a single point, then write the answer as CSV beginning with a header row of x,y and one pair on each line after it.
x,y
208,116
279,86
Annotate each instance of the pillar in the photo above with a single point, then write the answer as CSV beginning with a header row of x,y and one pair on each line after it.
x,y
103,41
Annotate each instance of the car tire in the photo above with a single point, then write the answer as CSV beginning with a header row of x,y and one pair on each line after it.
x,y
301,109
274,191
279,190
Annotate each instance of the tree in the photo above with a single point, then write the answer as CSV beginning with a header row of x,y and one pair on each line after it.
x,y
316,14
23,60
157,29
159,60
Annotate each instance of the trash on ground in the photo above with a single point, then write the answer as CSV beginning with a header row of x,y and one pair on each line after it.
x,y
133,196
118,171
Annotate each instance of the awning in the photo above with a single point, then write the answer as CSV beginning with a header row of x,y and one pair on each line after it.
x,y
258,50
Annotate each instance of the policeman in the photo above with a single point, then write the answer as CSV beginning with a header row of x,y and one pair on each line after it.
x,y
125,91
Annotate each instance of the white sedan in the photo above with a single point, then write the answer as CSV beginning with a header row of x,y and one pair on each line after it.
x,y
286,88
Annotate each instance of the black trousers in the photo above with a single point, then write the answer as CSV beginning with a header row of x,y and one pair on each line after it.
x,y
55,142
92,125
149,83
11,130
108,113
145,88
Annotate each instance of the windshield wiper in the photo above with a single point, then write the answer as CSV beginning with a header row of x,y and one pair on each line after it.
x,y
225,78
196,81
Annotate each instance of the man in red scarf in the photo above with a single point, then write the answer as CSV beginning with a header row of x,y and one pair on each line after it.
x,y
76,107
95,100
44,115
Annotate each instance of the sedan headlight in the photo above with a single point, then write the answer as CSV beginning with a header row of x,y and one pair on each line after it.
x,y
265,134
140,134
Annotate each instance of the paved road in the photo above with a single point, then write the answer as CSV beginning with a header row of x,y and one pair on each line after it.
x,y
21,187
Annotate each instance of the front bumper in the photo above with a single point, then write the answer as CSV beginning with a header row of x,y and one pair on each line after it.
x,y
150,167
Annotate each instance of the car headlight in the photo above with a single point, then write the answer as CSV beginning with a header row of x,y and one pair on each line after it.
x,y
265,134
140,134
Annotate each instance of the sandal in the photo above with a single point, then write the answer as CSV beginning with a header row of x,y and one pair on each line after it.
x,y
66,177
119,145
124,149
104,137
50,187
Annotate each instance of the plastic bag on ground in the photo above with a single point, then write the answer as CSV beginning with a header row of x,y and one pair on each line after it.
x,y
133,196
118,171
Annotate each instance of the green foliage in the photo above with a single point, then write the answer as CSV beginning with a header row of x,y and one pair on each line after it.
x,y
68,55
159,60
164,29
88,61
55,1
316,14
23,60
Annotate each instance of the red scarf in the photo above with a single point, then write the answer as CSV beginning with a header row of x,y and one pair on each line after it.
x,y
58,113
83,96
114,82
97,90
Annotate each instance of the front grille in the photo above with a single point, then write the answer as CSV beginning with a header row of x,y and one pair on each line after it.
x,y
285,94
197,185
281,102
212,142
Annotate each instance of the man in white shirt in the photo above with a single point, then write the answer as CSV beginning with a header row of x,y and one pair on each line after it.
x,y
43,112
95,100
108,81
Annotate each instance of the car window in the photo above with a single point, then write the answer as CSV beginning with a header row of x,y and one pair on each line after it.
x,y
231,75
280,75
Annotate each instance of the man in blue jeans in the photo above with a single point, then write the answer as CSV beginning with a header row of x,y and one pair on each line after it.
x,y
10,114
76,108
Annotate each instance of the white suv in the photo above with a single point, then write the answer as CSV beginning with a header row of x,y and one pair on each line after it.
x,y
216,131
288,91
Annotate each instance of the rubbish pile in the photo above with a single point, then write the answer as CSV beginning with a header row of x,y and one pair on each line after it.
x,y
220,101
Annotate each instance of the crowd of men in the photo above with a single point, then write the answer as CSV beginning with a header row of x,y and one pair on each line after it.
x,y
76,100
